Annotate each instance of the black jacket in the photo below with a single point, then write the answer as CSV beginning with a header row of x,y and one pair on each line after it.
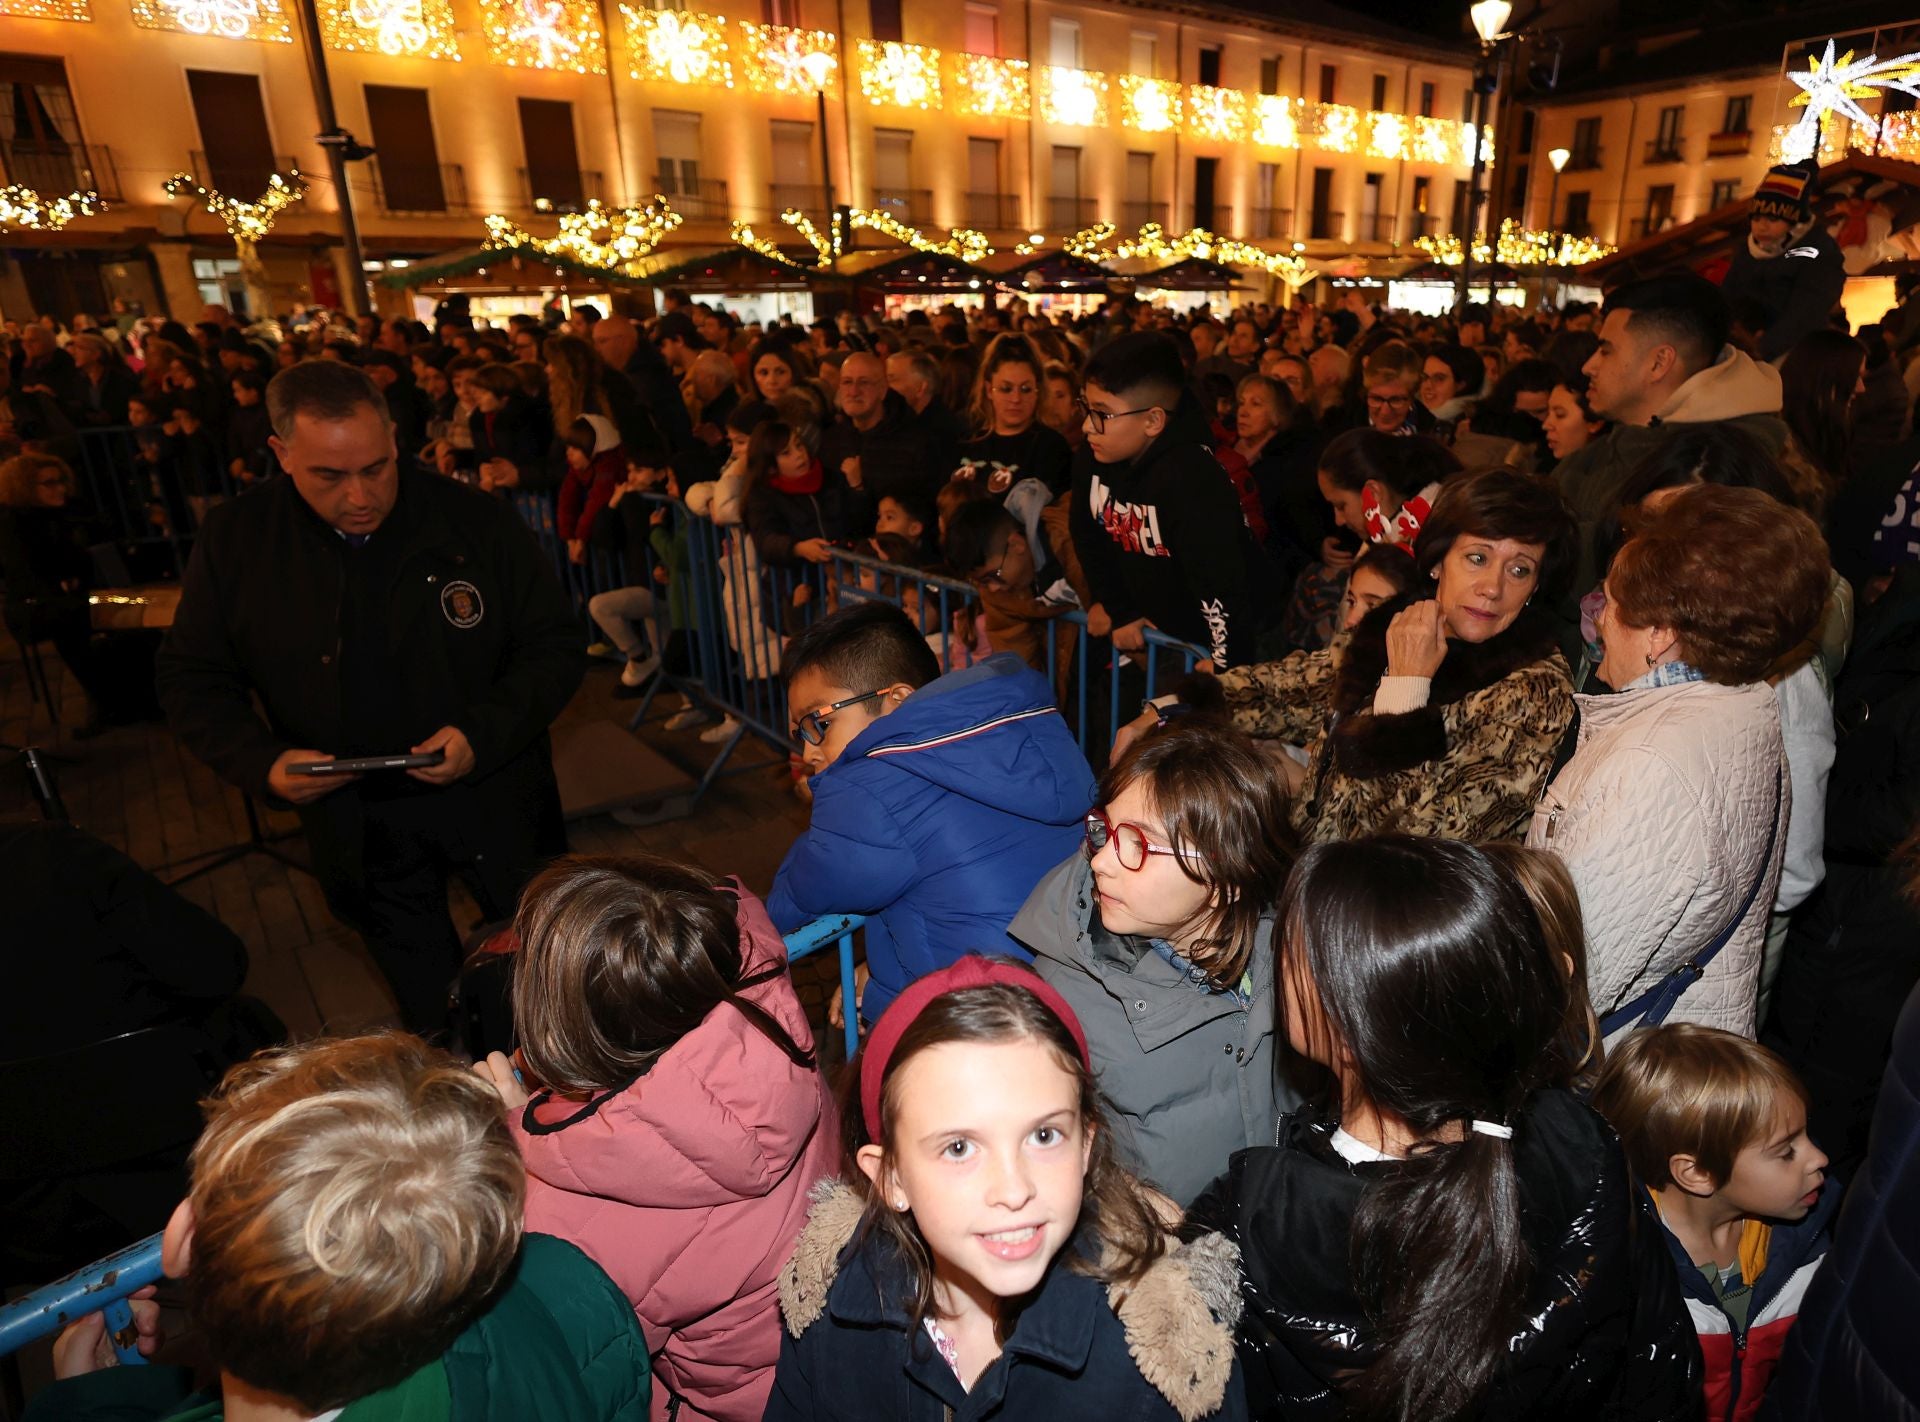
x,y
776,520
893,459
656,387
1163,538
1606,1334
478,629
519,432
1851,1354
1853,954
1796,290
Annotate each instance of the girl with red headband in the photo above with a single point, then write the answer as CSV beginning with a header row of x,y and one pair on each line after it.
x,y
990,1258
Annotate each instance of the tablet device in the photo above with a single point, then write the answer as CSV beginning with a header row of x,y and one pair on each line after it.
x,y
361,764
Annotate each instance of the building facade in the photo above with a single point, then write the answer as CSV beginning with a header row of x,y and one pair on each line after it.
x,y
1014,117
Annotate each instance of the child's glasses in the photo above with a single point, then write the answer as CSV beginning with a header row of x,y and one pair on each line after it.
x,y
1096,420
812,727
1130,843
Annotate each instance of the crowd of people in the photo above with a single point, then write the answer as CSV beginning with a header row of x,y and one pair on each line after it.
x,y
1464,992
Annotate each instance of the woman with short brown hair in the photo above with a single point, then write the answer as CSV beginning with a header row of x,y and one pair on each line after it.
x,y
1671,814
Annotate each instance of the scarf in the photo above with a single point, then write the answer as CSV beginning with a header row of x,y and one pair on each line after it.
x,y
1401,530
806,482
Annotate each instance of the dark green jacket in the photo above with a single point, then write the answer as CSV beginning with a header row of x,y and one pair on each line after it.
x,y
560,1341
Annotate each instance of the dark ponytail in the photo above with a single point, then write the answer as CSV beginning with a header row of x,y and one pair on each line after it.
x,y
1446,998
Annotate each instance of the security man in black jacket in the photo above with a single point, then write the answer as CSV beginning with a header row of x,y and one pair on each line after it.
x,y
373,612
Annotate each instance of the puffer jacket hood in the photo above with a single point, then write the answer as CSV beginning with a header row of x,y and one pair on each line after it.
x,y
1662,818
689,1185
1191,1075
1734,385
1604,1334
1177,1318
974,733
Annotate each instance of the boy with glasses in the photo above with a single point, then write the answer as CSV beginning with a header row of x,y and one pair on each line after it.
x,y
938,801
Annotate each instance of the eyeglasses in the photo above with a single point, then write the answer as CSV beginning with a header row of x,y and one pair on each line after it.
x,y
812,727
1130,843
1389,402
993,577
1096,420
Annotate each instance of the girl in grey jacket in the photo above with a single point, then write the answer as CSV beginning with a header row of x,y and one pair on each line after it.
x,y
1161,937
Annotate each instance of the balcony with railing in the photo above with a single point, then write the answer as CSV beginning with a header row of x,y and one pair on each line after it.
x,y
1646,226
909,205
1070,214
53,168
1730,145
1584,160
1375,227
1135,215
810,198
560,189
1265,223
992,210
1667,148
703,199
1325,226
418,189
1421,224
237,179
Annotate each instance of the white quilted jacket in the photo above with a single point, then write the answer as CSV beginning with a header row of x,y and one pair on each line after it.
x,y
1661,815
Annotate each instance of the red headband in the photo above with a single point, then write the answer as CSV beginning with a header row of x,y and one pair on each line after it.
x,y
971,971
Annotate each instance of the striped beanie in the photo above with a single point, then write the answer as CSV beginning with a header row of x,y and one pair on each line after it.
x,y
1786,192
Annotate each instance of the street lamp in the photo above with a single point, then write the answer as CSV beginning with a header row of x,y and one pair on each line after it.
x,y
819,67
1490,23
1558,158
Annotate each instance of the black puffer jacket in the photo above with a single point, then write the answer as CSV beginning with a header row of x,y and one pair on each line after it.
x,y
1607,1333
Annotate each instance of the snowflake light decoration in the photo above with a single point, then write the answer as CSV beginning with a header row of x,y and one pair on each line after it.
x,y
779,60
545,34
1216,113
1274,125
1835,85
677,47
1149,105
220,19
1076,98
421,29
992,88
906,76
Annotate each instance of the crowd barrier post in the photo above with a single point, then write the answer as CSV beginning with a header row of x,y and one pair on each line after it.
x,y
102,1287
837,930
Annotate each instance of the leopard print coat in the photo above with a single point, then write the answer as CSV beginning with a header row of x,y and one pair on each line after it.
x,y
1468,765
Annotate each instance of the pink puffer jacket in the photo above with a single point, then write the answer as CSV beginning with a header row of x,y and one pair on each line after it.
x,y
690,1186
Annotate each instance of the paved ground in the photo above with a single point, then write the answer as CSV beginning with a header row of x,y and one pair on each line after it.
x,y
136,788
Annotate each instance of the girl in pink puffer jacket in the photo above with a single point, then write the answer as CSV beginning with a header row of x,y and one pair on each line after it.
x,y
677,1119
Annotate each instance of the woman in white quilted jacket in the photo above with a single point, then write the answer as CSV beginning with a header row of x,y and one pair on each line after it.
x,y
1671,814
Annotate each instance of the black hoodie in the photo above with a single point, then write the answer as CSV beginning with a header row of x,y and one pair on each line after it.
x,y
1162,537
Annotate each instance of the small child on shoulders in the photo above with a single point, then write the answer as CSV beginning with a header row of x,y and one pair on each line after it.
x,y
1715,1127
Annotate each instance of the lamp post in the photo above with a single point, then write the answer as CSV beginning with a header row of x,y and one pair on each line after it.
x,y
1558,158
341,149
1490,23
819,67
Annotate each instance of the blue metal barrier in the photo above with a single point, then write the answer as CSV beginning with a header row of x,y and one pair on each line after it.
x,y
837,930
102,1287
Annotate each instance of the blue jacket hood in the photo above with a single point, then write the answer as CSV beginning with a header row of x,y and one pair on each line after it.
x,y
973,733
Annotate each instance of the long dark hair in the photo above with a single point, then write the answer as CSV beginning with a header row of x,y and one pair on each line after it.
x,y
1445,998
1117,1217
1405,464
619,959
1817,380
769,440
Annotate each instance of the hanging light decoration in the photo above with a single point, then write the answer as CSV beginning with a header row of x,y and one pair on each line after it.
x,y
22,207
608,239
545,34
779,60
1335,128
1149,105
992,88
905,76
1386,136
1214,113
962,242
222,19
1274,123
1102,243
677,47
48,9
418,29
1075,98
1517,247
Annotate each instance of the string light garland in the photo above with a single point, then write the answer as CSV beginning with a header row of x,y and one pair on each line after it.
x,y
246,222
906,76
608,239
962,242
22,207
1098,244
779,60
222,19
1218,114
1274,122
418,29
1517,247
1075,98
992,88
48,9
545,34
677,47
1149,105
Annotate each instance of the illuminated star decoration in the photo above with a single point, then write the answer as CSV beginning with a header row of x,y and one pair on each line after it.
x,y
399,26
21,206
1834,85
542,29
230,19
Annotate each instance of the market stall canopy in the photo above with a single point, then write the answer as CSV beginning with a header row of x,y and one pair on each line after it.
x,y
1054,271
507,268
1500,272
724,269
1191,274
902,272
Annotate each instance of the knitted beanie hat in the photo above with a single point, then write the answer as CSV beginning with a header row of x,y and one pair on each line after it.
x,y
1786,192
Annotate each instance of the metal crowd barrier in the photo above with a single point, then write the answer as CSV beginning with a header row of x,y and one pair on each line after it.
x,y
105,1286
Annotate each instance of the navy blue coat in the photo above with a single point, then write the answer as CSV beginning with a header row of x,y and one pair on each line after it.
x,y
1851,1354
939,819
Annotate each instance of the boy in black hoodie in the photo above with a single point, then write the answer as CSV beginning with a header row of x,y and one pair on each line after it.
x,y
1155,519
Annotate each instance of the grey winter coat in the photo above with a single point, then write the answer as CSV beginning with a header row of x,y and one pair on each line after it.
x,y
1191,1073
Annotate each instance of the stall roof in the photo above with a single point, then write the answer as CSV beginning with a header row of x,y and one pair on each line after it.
x,y
904,271
469,261
1047,271
1442,271
1192,274
731,268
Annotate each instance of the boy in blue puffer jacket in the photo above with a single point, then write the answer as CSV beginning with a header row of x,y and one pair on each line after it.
x,y
938,801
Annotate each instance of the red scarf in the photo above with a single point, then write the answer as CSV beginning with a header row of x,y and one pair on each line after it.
x,y
808,482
